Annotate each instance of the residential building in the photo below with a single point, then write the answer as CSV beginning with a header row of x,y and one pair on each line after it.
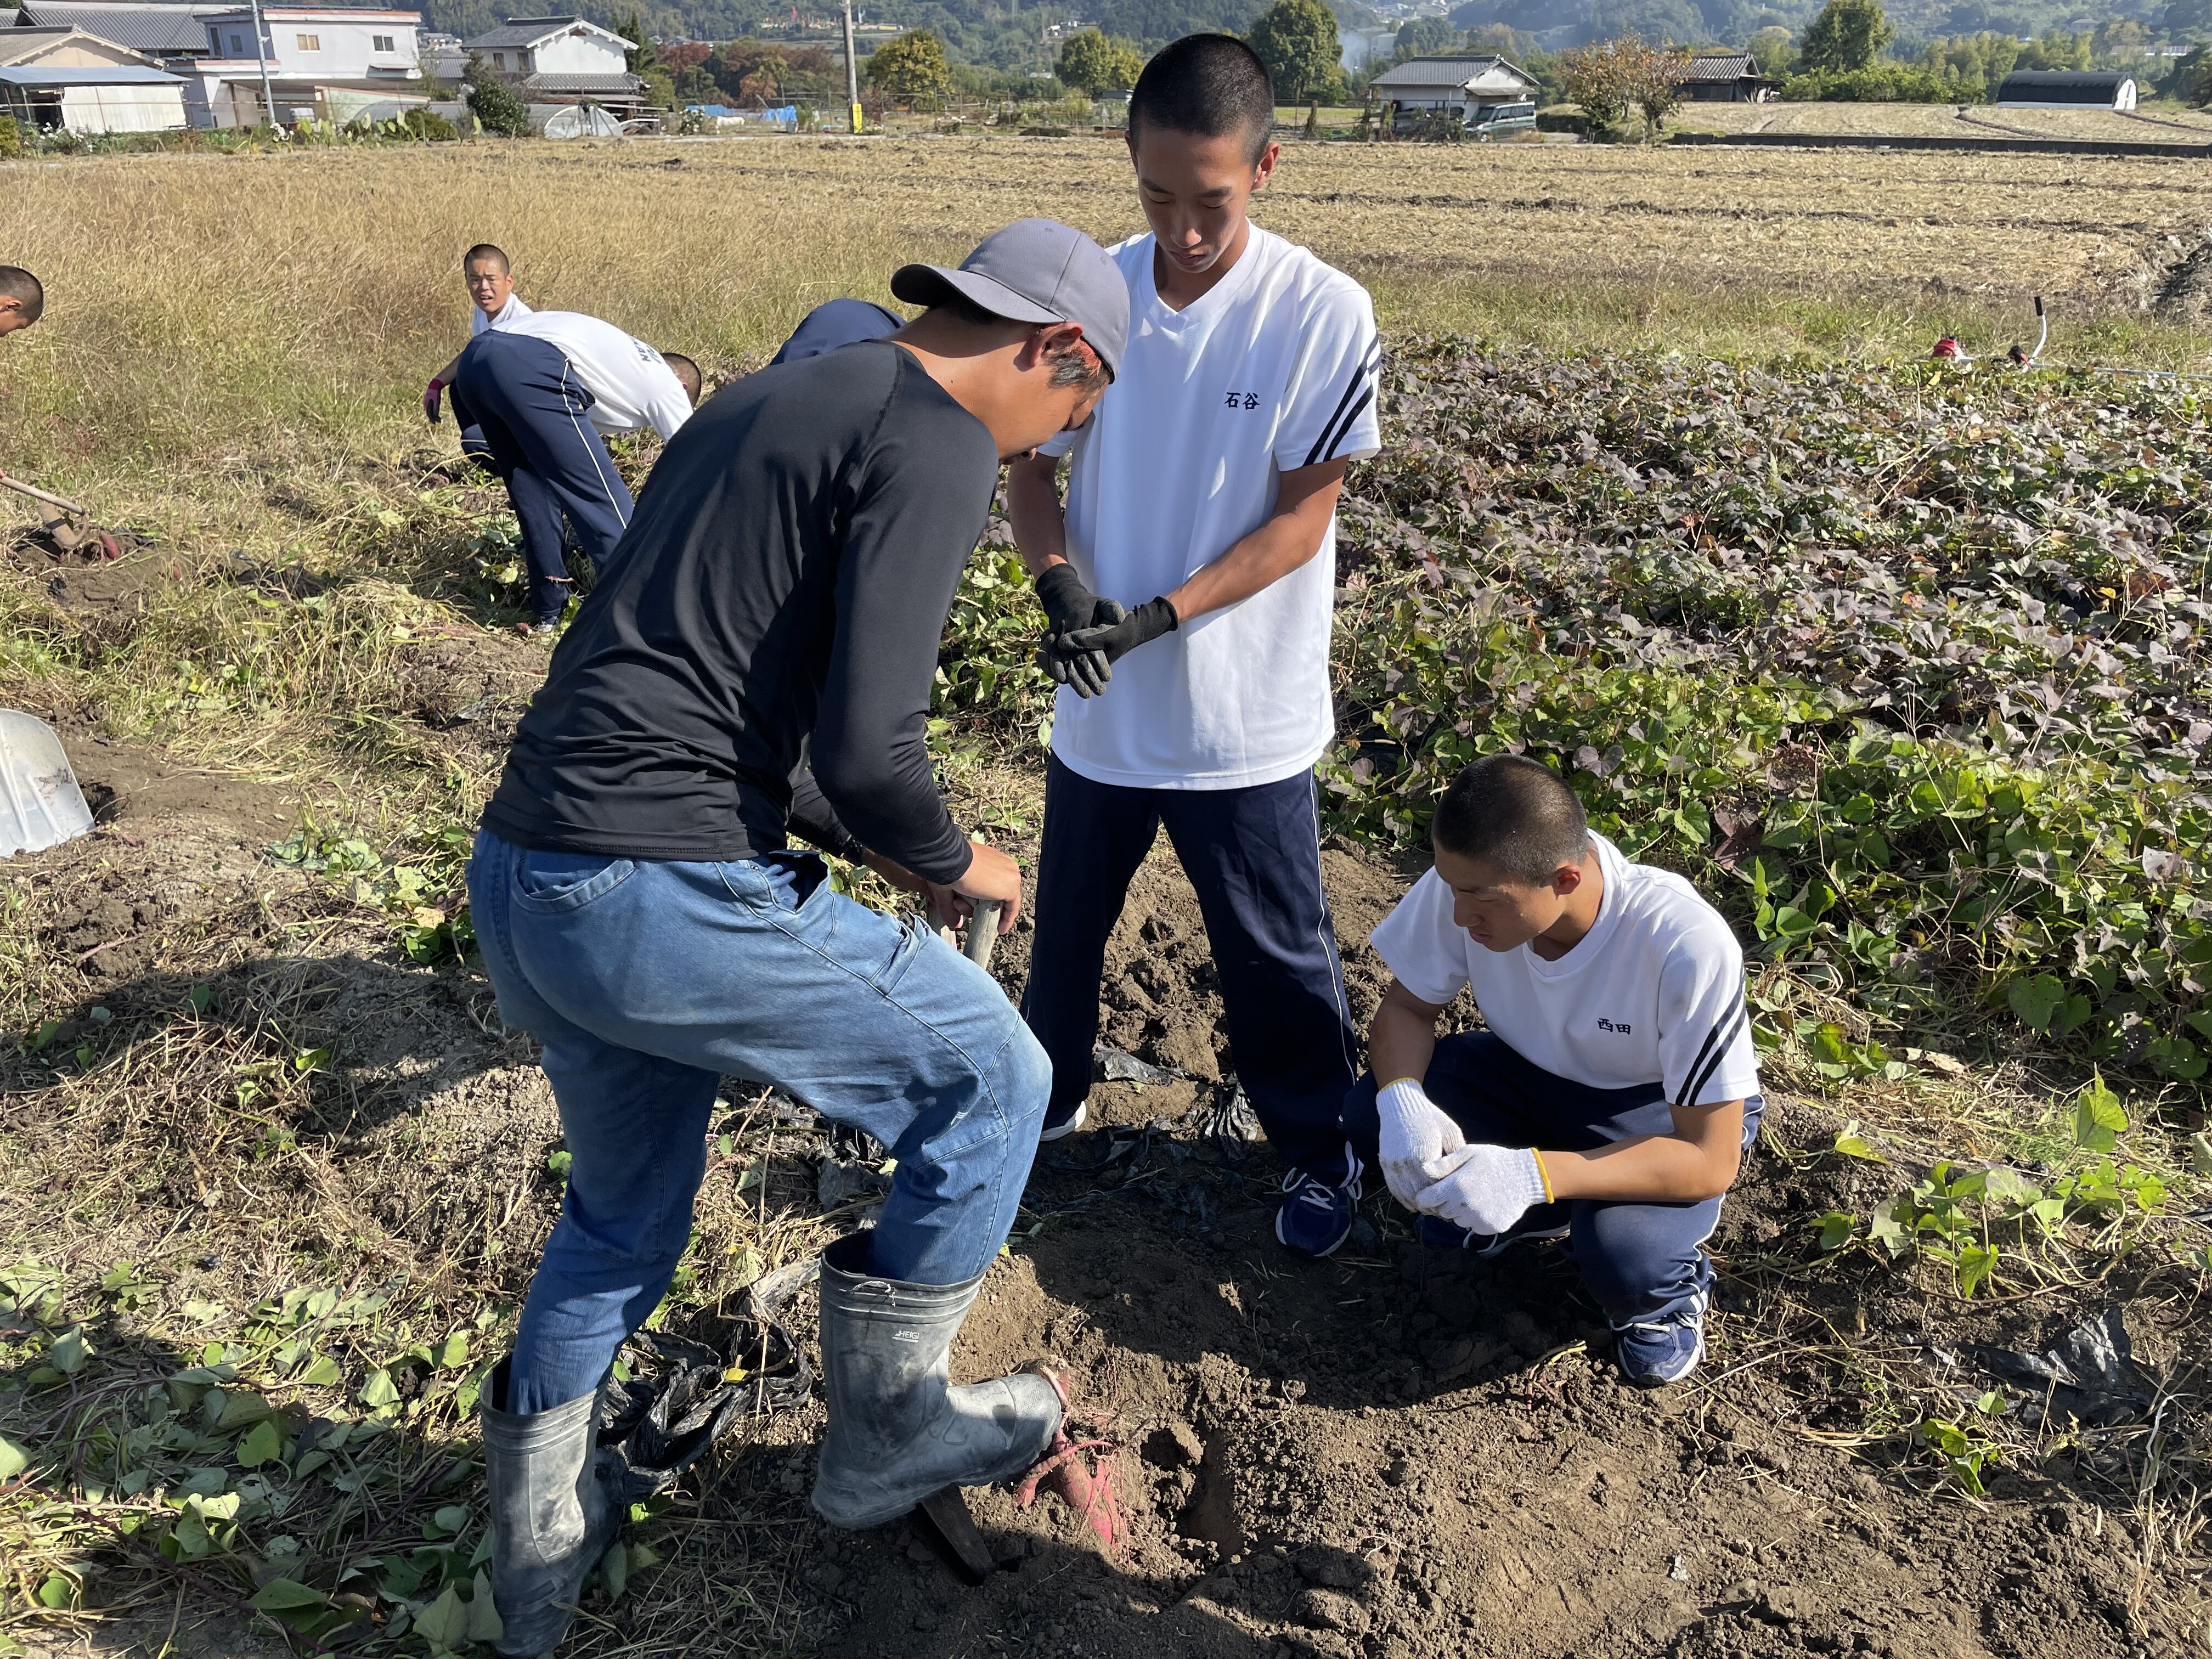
x,y
172,36
321,43
444,57
553,61
334,64
67,78
1473,88
1726,77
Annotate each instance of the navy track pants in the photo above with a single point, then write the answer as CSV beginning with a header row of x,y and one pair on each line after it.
x,y
1254,856
523,396
1640,1261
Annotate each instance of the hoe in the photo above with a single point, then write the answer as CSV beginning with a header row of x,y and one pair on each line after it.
x,y
67,525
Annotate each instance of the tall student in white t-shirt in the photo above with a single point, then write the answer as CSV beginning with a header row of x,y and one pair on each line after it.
x,y
1611,1098
1189,582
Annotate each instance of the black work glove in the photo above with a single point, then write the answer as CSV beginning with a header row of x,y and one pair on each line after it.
x,y
1114,639
1069,605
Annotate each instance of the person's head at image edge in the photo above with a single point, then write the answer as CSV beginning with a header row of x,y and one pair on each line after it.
x,y
22,299
1025,333
687,373
1201,119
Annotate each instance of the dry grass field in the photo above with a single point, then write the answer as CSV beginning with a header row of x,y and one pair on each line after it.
x,y
212,313
2161,126
273,1174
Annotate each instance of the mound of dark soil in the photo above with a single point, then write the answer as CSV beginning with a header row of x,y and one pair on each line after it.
x,y
86,583
1409,1454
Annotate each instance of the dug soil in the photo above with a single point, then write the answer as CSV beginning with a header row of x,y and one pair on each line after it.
x,y
1408,1453
1392,1452
86,583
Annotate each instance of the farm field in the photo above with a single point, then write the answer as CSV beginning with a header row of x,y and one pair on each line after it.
x,y
1907,667
340,262
2158,125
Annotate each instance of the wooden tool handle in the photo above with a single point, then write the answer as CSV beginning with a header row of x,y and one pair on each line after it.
x,y
38,494
983,931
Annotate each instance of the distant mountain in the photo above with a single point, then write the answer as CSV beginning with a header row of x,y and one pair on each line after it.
x,y
1707,23
1004,34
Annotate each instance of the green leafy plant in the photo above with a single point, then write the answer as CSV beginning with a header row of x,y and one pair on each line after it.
x,y
1964,1449
1976,1221
1814,672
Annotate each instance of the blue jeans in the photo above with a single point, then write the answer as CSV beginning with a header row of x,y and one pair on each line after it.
x,y
1640,1261
648,982
1253,857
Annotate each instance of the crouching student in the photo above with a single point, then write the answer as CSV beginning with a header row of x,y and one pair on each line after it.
x,y
1612,1098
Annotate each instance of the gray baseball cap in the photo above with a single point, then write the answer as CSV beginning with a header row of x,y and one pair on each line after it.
x,y
1035,271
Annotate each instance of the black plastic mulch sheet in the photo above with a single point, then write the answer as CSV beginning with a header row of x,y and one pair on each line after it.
x,y
681,1398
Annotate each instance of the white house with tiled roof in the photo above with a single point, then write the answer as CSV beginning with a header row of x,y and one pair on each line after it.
x,y
1466,84
333,63
551,61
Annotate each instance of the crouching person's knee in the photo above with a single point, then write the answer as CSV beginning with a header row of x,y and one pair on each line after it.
x,y
1615,1283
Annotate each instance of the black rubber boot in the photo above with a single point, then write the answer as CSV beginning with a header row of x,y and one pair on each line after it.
x,y
897,1432
552,1518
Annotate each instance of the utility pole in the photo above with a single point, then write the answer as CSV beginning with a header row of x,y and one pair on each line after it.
x,y
261,51
851,71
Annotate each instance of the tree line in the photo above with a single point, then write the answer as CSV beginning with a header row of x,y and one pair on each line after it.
x,y
1625,86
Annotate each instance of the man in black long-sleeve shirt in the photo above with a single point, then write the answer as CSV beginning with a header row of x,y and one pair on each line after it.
x,y
783,587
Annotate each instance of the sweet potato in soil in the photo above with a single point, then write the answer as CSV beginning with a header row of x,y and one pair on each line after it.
x,y
1376,1454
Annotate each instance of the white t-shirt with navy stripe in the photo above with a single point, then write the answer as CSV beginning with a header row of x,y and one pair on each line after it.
x,y
632,386
1272,370
1652,994
513,309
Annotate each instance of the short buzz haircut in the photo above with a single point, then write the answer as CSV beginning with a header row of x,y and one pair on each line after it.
x,y
24,289
1514,814
487,251
687,373
1211,85
1078,364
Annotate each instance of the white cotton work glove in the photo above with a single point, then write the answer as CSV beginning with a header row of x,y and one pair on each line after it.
x,y
1415,1131
1484,1189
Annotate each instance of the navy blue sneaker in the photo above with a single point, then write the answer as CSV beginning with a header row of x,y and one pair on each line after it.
x,y
1663,1351
1439,1234
1316,1214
